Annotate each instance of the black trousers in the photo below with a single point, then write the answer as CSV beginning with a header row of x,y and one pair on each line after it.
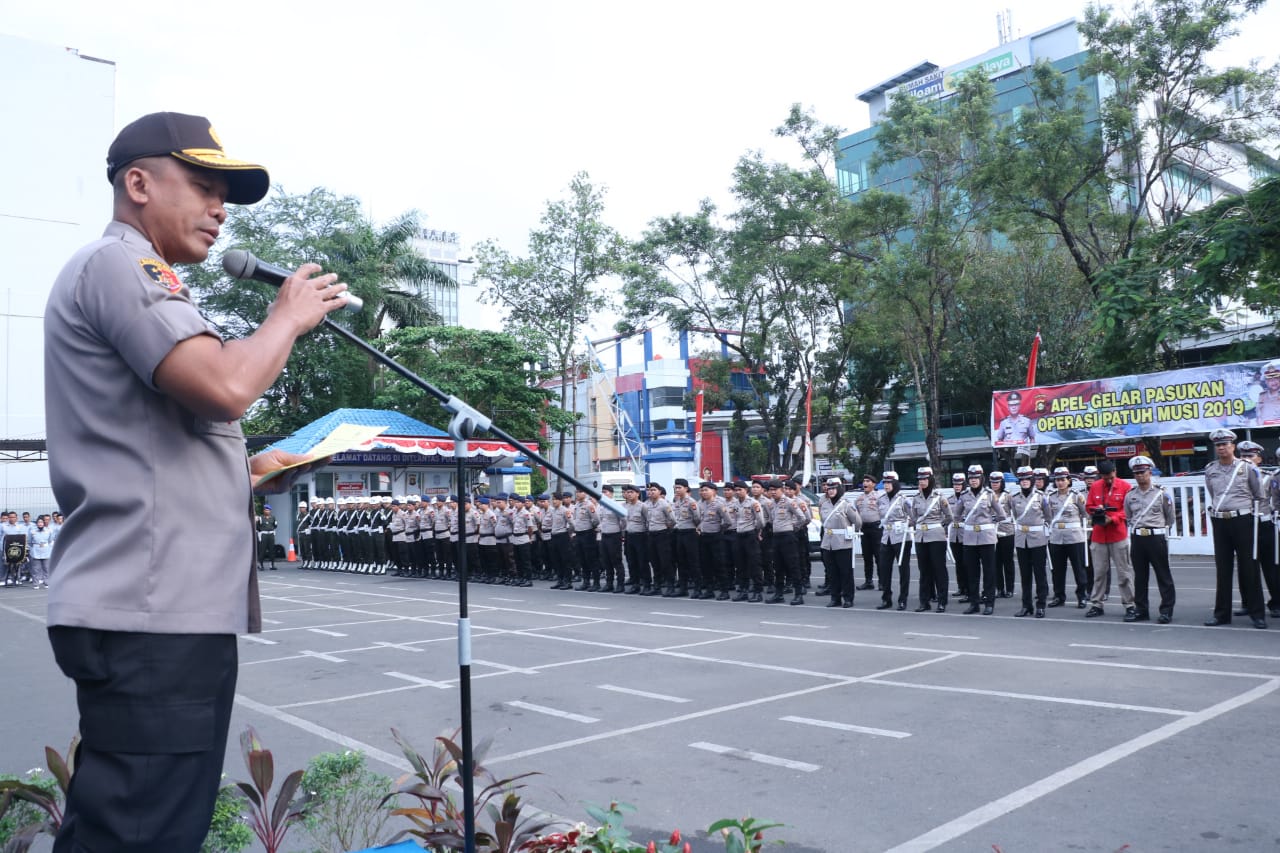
x,y
962,571
1031,566
1267,562
584,544
895,557
786,566
304,547
154,714
1059,556
767,559
638,558
838,563
1004,563
980,563
934,583
711,560
688,559
870,550
659,548
1151,553
611,557
1233,543
746,561
562,556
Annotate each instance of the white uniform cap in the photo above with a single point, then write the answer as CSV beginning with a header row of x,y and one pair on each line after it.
x,y
1141,463
975,471
1222,436
1062,471
1025,472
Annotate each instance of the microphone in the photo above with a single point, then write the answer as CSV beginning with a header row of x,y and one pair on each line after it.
x,y
241,264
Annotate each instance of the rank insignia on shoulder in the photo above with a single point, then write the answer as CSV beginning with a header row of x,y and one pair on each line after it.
x,y
161,273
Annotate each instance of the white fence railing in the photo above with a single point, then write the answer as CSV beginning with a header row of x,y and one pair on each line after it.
x,y
1191,533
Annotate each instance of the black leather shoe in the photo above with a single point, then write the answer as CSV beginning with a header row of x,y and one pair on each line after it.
x,y
741,595
1092,612
923,608
884,605
1039,612
1023,612
835,602
1057,602
822,590
1080,605
942,608
867,585
1164,618
1241,612
848,602
756,598
972,608
988,610
1130,614
902,605
799,599
723,595
1274,612
1215,622
1260,623
776,598
963,599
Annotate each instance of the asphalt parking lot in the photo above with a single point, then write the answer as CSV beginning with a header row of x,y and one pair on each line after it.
x,y
862,730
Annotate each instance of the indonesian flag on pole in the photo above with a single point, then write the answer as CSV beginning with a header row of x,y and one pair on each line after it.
x,y
1031,364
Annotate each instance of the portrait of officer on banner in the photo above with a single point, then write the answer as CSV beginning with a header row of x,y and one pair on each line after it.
x,y
1015,428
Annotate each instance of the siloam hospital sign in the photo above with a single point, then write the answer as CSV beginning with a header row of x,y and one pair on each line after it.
x,y
1003,60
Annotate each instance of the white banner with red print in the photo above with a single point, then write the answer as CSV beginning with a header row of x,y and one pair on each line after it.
x,y
1175,402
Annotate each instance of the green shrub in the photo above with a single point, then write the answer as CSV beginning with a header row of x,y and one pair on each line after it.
x,y
228,832
21,813
344,809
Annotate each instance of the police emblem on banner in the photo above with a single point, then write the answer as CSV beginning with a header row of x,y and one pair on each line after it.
x,y
161,273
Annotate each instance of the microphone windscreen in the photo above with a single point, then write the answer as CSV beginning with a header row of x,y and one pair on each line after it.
x,y
238,263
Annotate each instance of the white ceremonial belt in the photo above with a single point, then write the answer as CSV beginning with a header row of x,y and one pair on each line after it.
x,y
1231,513
977,528
929,526
1068,525
1148,531
1028,528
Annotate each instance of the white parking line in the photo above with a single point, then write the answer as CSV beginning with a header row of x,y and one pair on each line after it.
x,y
940,636
504,667
1206,653
511,600
756,756
254,638
1059,700
397,761
677,615
266,621
322,656
404,647
413,679
999,808
585,607
796,625
552,712
661,697
326,633
845,727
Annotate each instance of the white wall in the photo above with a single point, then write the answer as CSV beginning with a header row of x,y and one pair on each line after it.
x,y
57,109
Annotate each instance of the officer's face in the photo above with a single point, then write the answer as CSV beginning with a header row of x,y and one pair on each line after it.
x,y
868,486
1063,483
1015,403
654,494
1226,450
1143,476
182,209
707,493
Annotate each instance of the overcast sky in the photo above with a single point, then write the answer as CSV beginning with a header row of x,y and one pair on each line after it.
x,y
476,113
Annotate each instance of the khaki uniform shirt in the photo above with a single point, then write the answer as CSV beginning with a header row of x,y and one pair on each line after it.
x,y
124,458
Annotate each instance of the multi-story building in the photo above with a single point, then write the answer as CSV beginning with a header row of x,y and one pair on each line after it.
x,y
458,305
58,121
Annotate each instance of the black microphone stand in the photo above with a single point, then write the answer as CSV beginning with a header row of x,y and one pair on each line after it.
x,y
465,423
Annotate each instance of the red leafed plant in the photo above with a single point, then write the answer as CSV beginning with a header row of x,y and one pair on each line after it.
x,y
269,822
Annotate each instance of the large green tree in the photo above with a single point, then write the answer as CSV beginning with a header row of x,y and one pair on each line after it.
x,y
492,371
932,234
552,293
379,264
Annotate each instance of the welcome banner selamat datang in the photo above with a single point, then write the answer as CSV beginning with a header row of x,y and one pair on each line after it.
x,y
1175,402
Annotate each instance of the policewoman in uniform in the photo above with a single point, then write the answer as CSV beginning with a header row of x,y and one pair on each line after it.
x,y
930,518
868,507
142,399
1029,514
1149,509
1233,486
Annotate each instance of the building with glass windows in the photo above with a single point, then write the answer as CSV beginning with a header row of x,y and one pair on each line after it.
x,y
458,305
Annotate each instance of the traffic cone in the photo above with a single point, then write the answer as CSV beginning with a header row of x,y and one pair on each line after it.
x,y
292,556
